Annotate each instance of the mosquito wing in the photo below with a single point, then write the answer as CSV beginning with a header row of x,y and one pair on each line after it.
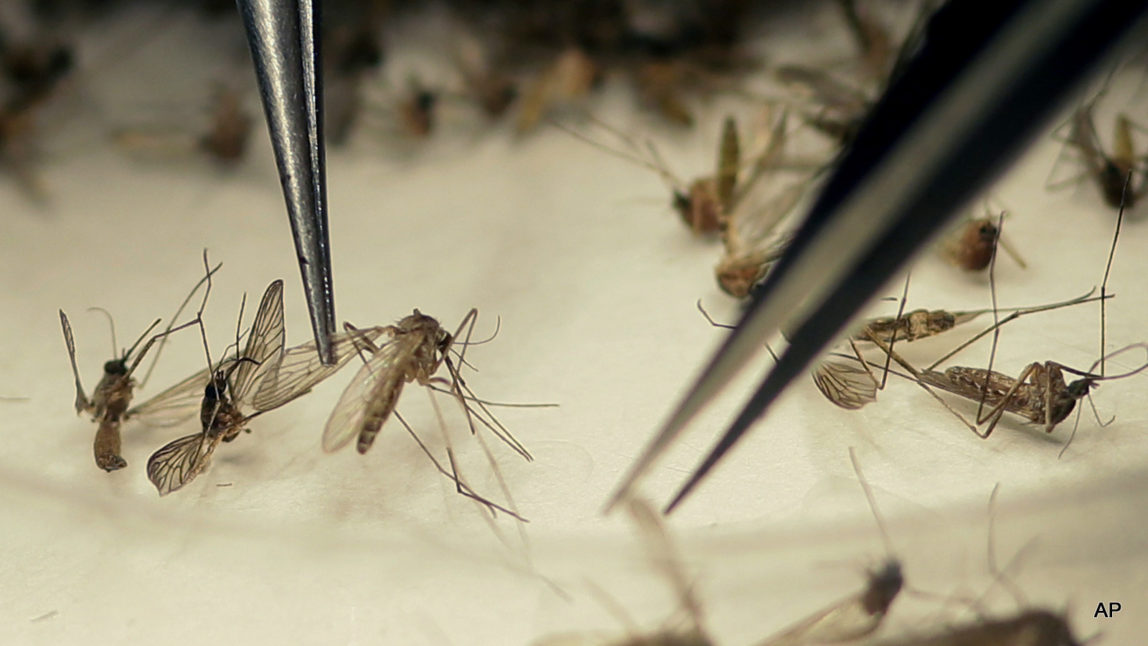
x,y
179,462
851,618
825,89
847,385
368,389
264,349
175,405
301,368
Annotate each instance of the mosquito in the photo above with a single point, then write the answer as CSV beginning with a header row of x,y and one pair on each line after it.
x,y
705,203
851,384
1035,627
488,86
230,386
1108,171
222,138
857,615
569,78
226,138
109,402
843,107
1040,394
666,559
413,350
973,243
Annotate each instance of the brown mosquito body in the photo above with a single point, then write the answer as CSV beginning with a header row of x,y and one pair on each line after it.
x,y
973,244
568,79
261,377
1109,172
665,558
110,400
412,351
1029,628
226,138
112,396
1039,394
857,615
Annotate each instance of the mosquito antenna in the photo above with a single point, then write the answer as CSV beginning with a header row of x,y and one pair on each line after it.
x,y
129,351
497,329
471,317
996,316
1108,269
112,325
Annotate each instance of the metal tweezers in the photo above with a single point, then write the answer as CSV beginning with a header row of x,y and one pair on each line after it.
x,y
986,77
283,35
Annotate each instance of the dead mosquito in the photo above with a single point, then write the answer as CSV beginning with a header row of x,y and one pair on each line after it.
x,y
704,203
851,383
226,388
413,350
857,615
1039,394
109,402
842,108
222,137
1110,172
568,79
972,244
666,559
482,81
1033,627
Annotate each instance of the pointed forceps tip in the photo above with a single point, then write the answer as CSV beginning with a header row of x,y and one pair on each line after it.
x,y
283,37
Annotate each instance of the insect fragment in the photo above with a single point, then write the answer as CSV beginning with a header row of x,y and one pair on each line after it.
x,y
1110,172
1034,627
113,394
413,350
227,388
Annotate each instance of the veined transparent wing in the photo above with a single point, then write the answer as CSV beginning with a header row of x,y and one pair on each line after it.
x,y
301,368
180,461
347,418
175,405
847,385
264,349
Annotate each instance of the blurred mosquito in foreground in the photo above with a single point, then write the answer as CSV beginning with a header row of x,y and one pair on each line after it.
x,y
262,376
109,402
666,559
414,349
857,615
